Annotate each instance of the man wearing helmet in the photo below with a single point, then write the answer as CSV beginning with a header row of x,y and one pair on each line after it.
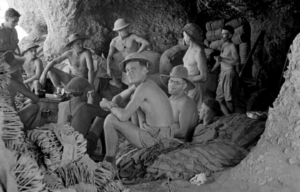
x,y
125,43
195,62
152,104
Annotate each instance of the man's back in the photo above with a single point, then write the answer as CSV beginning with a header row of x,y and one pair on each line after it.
x,y
82,119
189,61
156,105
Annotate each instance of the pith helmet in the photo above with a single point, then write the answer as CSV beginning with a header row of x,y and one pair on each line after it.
x,y
78,85
135,57
195,32
181,72
73,37
29,46
120,24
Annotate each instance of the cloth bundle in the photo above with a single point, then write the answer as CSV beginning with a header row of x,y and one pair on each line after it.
x,y
96,177
59,144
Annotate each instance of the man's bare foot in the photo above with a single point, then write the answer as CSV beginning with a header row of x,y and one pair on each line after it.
x,y
116,84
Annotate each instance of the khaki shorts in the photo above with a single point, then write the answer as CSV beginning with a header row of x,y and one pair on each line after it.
x,y
229,87
153,135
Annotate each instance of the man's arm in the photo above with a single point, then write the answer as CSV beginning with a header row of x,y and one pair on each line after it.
x,y
90,66
124,95
144,43
202,67
111,51
50,65
186,120
235,60
133,105
38,71
21,88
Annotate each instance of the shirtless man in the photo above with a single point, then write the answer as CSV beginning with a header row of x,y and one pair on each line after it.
x,y
86,118
125,43
156,116
80,60
184,108
33,67
228,90
195,61
28,113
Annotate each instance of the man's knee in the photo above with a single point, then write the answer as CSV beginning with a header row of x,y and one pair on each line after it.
x,y
110,120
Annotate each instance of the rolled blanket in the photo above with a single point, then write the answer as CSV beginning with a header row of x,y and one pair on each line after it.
x,y
242,38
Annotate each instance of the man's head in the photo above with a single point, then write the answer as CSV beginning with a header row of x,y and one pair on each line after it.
x,y
227,33
121,26
75,42
30,50
179,82
136,67
79,87
12,18
209,109
193,33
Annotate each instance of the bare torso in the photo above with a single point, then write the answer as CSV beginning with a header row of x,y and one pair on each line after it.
x,y
226,52
30,68
127,45
79,63
190,61
156,106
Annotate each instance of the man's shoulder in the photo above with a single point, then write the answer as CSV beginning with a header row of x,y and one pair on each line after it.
x,y
187,102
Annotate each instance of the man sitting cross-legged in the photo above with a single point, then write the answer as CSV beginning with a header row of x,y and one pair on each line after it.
x,y
155,110
184,108
85,118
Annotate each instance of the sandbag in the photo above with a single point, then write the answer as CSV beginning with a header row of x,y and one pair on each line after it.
x,y
236,22
216,24
214,35
172,57
242,38
244,49
216,44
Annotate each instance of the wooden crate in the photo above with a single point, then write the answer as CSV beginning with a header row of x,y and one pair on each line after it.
x,y
48,111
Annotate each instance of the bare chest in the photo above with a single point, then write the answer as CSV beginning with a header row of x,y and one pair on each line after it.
x,y
78,62
127,45
29,68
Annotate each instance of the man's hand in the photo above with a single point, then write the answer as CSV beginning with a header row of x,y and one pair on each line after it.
x,y
103,104
218,58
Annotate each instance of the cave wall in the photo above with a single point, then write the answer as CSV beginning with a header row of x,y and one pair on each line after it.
x,y
160,22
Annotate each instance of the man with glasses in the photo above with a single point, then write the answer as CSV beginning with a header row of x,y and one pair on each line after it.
x,y
195,61
228,90
152,104
184,108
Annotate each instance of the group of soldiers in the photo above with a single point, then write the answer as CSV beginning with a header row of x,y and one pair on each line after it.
x,y
142,113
